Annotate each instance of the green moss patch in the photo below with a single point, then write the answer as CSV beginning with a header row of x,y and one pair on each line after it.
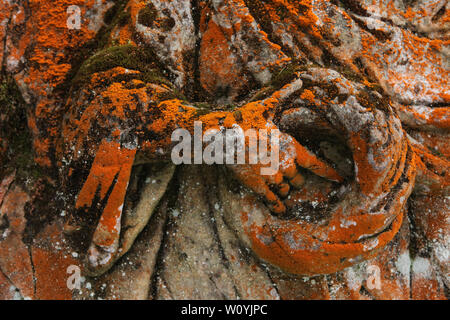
x,y
127,56
13,128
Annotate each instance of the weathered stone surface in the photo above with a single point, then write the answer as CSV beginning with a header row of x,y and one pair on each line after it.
x,y
52,255
15,259
133,275
358,208
192,262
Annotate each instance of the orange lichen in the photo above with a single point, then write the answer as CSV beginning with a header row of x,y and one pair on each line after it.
x,y
118,113
294,250
50,44
222,71
308,95
111,162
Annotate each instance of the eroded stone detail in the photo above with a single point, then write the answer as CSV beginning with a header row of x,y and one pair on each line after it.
x,y
359,91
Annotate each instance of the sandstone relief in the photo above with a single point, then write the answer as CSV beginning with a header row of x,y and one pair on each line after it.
x,y
92,205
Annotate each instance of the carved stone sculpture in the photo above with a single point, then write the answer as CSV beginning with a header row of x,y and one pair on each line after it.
x,y
91,92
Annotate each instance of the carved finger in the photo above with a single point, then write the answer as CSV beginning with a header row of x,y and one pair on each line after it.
x,y
109,176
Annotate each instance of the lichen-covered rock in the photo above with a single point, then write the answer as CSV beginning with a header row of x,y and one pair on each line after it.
x,y
358,208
